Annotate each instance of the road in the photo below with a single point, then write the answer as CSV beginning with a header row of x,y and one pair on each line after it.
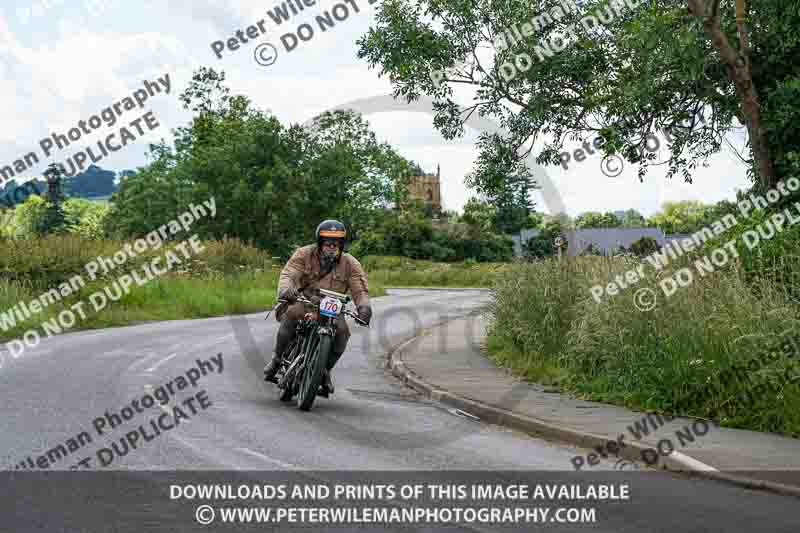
x,y
373,423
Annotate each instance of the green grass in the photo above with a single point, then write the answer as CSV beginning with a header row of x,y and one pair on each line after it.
x,y
227,278
392,271
547,327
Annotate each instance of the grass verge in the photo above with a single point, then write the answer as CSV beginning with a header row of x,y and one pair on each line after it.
x,y
720,348
227,277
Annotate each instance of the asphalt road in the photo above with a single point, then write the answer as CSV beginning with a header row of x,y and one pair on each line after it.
x,y
238,427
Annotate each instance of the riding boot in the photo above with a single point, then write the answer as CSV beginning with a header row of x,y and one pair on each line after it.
x,y
282,340
272,368
327,382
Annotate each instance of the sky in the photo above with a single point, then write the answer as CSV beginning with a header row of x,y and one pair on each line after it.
x,y
62,61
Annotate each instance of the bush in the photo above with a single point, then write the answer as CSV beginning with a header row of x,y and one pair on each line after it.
x,y
592,251
411,235
85,217
82,217
644,246
538,247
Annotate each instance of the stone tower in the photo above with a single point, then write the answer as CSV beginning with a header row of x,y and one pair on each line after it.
x,y
427,189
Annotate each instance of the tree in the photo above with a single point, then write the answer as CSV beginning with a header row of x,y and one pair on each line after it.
x,y
550,229
27,218
383,172
479,215
506,184
272,183
594,219
632,219
54,220
85,217
651,67
739,71
687,216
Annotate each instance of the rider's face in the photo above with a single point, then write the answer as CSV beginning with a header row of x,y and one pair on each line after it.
x,y
330,246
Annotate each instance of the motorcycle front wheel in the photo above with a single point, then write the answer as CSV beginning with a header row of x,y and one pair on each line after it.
x,y
312,374
290,387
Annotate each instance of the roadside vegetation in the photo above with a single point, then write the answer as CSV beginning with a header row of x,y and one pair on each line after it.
x,y
228,277
272,183
691,355
405,272
714,70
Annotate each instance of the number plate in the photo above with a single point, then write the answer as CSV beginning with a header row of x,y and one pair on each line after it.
x,y
330,307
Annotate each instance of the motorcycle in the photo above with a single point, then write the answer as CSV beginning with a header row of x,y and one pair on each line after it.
x,y
305,359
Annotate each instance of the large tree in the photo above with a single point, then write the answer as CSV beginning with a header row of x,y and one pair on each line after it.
x,y
272,183
652,66
687,216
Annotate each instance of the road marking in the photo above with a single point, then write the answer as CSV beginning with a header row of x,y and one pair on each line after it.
x,y
161,362
267,458
694,463
140,361
149,389
459,412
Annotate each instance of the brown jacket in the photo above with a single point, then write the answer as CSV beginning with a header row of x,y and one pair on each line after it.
x,y
303,272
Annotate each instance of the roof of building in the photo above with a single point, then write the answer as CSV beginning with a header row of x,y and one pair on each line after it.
x,y
609,240
605,240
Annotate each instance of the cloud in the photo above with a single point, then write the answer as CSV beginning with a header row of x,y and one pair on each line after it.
x,y
72,69
48,87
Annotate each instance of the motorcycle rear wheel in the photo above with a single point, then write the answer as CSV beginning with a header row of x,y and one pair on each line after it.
x,y
312,375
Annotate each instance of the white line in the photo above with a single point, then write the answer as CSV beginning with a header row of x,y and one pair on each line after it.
x,y
694,463
149,389
140,361
161,362
267,458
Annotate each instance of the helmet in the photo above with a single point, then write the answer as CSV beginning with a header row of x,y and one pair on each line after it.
x,y
331,229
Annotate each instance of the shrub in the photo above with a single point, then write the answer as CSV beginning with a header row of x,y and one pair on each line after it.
x,y
644,246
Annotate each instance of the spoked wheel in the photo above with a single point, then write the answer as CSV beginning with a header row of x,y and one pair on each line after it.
x,y
312,373
288,392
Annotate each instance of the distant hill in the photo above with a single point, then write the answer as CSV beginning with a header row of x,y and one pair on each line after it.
x,y
95,183
92,183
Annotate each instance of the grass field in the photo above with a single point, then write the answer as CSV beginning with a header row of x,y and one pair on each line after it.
x,y
226,278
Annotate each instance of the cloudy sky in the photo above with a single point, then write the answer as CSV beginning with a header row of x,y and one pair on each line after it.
x,y
62,61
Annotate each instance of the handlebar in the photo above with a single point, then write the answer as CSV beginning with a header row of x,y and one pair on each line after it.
x,y
304,300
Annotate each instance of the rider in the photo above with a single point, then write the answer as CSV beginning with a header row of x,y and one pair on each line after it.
x,y
323,265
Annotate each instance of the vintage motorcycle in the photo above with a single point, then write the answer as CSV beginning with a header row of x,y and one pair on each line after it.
x,y
304,361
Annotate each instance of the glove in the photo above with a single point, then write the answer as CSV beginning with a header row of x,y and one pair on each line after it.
x,y
290,294
364,313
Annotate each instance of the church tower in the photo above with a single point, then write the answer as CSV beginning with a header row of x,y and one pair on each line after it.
x,y
427,189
